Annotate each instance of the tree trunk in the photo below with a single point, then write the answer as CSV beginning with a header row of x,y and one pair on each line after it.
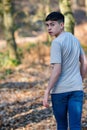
x,y
86,6
65,8
9,29
75,3
46,7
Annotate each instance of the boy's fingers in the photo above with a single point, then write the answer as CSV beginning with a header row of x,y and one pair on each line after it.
x,y
45,104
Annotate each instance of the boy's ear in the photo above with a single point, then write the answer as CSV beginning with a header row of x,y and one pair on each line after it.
x,y
62,25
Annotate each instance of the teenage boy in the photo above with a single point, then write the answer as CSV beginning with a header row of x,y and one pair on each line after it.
x,y
69,66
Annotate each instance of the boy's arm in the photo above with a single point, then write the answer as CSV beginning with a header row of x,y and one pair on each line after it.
x,y
54,77
83,65
56,70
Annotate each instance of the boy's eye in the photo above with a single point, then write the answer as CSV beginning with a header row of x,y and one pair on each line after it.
x,y
47,25
52,24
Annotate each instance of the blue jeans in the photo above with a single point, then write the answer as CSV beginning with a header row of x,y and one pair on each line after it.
x,y
67,109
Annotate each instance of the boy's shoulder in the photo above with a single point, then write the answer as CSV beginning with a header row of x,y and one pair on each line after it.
x,y
65,37
60,38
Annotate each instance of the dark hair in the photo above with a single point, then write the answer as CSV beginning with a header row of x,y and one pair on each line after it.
x,y
55,16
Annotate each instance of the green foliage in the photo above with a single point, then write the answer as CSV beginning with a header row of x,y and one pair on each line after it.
x,y
1,9
20,52
8,71
47,43
14,62
2,77
6,62
3,59
30,46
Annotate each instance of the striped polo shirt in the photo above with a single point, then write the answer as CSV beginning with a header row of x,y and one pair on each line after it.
x,y
66,50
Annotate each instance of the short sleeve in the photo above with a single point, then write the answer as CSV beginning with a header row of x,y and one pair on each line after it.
x,y
81,51
55,53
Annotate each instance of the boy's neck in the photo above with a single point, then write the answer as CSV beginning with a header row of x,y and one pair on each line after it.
x,y
62,31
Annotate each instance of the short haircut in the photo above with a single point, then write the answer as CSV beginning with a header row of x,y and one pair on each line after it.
x,y
55,16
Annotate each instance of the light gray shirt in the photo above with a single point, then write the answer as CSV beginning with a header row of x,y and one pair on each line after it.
x,y
66,50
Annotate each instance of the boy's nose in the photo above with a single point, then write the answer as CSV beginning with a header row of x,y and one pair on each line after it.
x,y
49,28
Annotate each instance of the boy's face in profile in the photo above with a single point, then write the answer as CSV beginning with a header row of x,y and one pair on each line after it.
x,y
54,28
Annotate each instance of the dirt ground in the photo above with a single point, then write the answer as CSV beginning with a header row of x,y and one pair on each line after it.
x,y
21,94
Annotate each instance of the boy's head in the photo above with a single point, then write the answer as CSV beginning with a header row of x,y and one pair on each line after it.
x,y
55,23
55,16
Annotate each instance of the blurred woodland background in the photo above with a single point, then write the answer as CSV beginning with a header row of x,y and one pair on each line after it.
x,y
22,22
25,56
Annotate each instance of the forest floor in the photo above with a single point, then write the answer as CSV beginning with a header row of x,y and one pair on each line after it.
x,y
21,95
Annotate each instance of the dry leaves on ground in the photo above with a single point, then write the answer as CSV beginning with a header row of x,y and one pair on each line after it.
x,y
21,95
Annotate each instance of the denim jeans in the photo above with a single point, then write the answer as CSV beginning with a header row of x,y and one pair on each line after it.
x,y
67,109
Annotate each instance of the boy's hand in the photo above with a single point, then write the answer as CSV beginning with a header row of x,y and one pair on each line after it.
x,y
45,100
